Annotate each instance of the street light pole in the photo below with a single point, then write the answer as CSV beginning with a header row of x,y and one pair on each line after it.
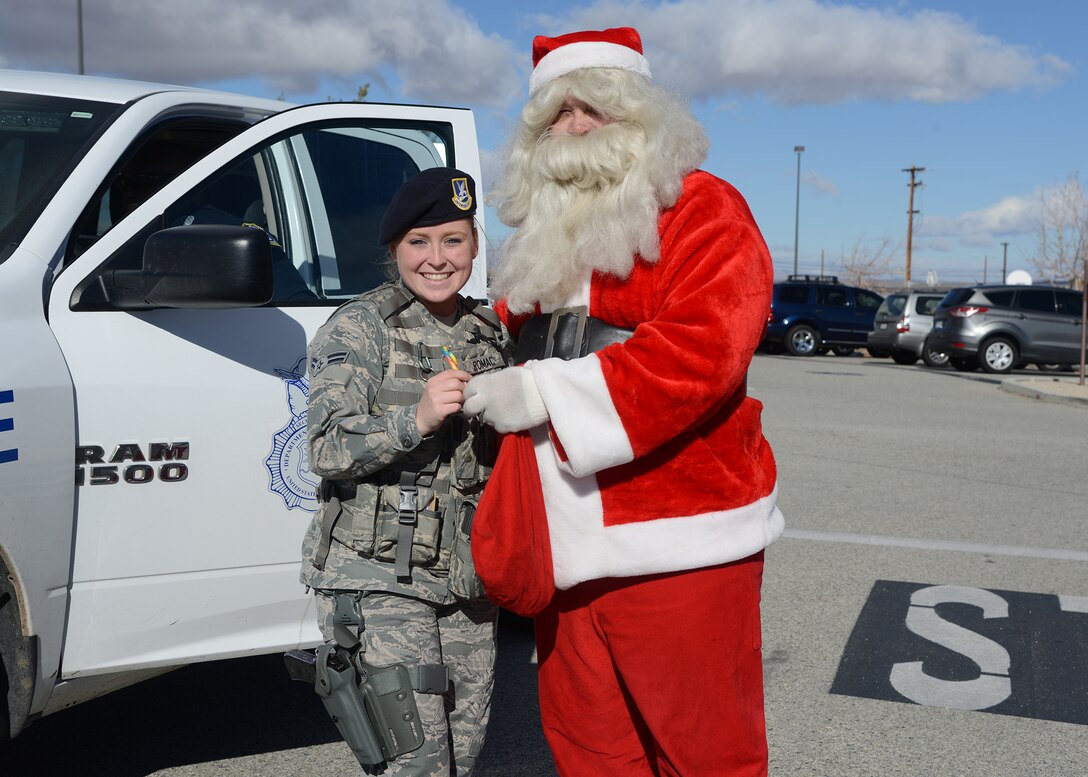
x,y
79,32
1004,263
797,207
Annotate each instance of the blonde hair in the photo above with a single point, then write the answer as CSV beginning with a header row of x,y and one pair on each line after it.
x,y
590,202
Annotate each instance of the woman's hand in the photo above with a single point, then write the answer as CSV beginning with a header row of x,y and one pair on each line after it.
x,y
442,396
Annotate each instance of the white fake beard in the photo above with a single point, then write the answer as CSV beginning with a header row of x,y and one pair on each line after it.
x,y
593,208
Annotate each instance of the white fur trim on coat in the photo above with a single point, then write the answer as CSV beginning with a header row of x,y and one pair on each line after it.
x,y
582,414
574,56
583,548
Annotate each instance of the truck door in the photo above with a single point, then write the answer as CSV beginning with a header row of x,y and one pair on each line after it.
x,y
192,486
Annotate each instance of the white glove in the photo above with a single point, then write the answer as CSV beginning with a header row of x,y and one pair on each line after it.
x,y
507,400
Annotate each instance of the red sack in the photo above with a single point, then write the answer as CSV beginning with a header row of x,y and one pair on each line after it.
x,y
510,545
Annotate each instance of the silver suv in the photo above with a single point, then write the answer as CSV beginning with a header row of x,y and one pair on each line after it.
x,y
902,322
998,328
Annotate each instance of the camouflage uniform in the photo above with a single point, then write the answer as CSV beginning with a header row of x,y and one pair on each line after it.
x,y
368,365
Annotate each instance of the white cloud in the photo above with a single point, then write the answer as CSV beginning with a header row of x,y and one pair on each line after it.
x,y
819,185
804,51
431,48
1009,217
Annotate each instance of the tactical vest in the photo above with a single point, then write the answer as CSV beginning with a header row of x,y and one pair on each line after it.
x,y
418,512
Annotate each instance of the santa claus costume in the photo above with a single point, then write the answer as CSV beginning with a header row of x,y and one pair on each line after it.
x,y
645,459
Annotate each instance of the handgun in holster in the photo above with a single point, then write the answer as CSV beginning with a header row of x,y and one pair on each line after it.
x,y
372,707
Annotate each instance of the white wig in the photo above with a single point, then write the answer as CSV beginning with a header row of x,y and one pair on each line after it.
x,y
590,202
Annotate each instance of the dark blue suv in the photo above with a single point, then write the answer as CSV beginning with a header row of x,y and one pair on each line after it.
x,y
812,314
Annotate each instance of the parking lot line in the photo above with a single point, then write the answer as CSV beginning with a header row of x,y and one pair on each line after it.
x,y
959,547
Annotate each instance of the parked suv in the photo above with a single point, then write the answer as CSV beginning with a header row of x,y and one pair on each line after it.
x,y
902,322
811,314
998,328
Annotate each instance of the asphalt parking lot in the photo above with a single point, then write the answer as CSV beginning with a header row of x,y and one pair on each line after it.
x,y
927,611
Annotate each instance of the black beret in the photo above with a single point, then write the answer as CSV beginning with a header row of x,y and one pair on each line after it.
x,y
433,196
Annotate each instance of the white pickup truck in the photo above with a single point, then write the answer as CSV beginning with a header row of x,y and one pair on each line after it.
x,y
165,256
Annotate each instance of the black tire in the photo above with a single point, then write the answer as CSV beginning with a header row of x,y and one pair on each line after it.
x,y
878,353
5,715
998,356
842,350
903,357
802,340
962,365
934,357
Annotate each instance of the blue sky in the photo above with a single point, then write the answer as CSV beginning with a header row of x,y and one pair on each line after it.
x,y
987,95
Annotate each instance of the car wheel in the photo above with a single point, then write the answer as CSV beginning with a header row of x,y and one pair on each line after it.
x,y
842,350
934,357
878,353
962,365
1051,367
802,340
998,356
903,357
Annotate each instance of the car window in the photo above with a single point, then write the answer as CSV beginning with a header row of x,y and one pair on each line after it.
x,y
793,295
926,305
1000,297
1070,303
1035,300
832,296
866,299
318,196
955,297
893,305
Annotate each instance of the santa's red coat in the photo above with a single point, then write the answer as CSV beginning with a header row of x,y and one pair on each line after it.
x,y
654,459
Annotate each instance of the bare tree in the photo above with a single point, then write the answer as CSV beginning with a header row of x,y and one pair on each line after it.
x,y
865,265
1063,232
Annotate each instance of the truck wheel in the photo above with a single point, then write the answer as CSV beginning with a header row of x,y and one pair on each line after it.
x,y
998,356
5,714
802,340
903,357
962,365
934,357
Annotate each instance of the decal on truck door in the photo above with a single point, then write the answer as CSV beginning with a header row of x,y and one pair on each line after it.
x,y
289,463
7,425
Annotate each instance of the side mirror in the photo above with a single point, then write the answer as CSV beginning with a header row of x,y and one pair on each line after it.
x,y
211,266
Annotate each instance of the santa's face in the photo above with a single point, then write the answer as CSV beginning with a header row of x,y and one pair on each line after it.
x,y
435,262
576,117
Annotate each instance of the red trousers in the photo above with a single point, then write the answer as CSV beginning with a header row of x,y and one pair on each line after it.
x,y
659,675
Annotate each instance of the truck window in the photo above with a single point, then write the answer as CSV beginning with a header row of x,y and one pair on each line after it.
x,y
150,163
318,195
41,139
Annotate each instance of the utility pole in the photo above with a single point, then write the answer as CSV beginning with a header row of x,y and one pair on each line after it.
x,y
1004,263
913,170
797,206
79,32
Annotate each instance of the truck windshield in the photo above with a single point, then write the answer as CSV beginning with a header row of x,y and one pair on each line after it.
x,y
41,139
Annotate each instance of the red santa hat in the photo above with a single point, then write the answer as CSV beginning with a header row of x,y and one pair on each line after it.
x,y
619,47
